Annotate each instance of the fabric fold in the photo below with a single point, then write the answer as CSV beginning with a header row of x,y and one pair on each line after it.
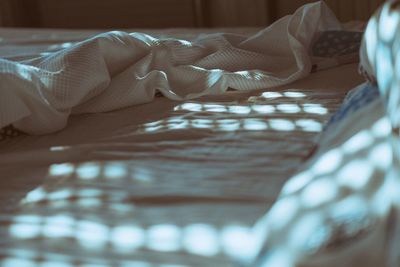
x,y
116,70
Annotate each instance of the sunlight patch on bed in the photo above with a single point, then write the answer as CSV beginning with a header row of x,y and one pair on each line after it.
x,y
90,193
61,46
264,109
359,142
164,237
215,108
242,110
310,125
127,238
88,171
229,125
356,174
289,108
115,171
201,239
59,226
61,194
232,240
328,163
238,124
195,107
294,94
255,125
21,230
271,95
381,156
59,148
283,212
237,242
92,235
202,123
382,128
271,111
282,125
36,195
319,192
297,182
64,169
282,96
234,109
315,109
89,203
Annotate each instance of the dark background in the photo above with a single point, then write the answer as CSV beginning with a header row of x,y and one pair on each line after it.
x,y
163,13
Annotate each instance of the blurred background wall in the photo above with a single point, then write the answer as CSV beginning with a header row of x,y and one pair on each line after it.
x,y
164,13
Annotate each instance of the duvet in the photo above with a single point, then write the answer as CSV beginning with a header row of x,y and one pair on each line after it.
x,y
116,70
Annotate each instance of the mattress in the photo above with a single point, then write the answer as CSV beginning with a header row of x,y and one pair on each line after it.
x,y
161,184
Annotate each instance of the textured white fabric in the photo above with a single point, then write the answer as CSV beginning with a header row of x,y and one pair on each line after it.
x,y
117,69
167,163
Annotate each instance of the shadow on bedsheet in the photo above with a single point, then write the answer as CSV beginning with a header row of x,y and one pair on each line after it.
x,y
118,201
273,113
103,216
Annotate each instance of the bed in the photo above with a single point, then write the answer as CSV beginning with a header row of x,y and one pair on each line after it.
x,y
166,183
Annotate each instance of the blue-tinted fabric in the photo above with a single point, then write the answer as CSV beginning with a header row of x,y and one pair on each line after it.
x,y
357,100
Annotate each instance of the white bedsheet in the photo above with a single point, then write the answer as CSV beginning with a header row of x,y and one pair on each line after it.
x,y
165,183
206,168
116,70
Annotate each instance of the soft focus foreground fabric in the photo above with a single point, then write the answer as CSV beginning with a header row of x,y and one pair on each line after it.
x,y
342,209
379,56
117,69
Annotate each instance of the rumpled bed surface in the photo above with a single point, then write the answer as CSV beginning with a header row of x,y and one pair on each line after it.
x,y
182,183
117,69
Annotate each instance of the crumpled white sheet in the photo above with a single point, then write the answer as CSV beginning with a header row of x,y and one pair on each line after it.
x,y
115,70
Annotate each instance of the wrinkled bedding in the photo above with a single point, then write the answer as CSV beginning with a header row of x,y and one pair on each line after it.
x,y
185,183
118,69
204,169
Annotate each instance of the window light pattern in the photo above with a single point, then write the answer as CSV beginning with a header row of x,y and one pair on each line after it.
x,y
281,111
339,202
102,209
